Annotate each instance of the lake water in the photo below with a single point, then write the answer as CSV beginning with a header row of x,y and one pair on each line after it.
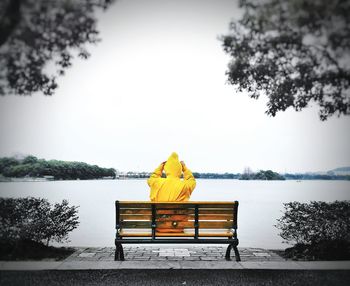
x,y
260,203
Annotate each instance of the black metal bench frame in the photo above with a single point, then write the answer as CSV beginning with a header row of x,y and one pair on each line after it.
x,y
154,239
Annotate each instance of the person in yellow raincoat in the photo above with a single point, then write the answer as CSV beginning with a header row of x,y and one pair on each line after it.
x,y
172,188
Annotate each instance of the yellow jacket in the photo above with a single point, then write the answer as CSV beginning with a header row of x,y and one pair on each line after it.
x,y
171,188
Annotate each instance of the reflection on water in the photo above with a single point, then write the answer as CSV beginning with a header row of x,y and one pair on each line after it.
x,y
261,203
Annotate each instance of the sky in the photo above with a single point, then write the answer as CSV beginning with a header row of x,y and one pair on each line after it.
x,y
156,84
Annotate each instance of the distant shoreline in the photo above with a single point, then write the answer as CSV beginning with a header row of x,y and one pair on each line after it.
x,y
23,180
32,169
33,179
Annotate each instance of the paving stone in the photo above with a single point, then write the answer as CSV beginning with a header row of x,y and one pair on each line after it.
x,y
191,258
213,254
166,254
87,254
181,254
170,258
256,249
261,254
205,258
106,259
142,258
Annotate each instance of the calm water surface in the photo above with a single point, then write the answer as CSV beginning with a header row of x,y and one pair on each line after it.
x,y
261,203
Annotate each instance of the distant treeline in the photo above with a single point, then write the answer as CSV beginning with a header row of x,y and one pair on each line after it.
x,y
316,177
33,167
215,176
261,175
270,175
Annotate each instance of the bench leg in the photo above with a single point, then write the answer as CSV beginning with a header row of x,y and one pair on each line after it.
x,y
228,252
119,253
235,249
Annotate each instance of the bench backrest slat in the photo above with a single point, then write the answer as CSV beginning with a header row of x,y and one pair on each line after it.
x,y
227,211
176,216
179,224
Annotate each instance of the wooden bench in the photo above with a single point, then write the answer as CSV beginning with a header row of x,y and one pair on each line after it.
x,y
140,222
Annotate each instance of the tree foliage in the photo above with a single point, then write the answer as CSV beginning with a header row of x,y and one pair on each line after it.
x,y
34,33
36,219
33,167
293,51
261,175
315,222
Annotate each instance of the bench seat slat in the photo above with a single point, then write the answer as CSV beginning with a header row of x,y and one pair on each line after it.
x,y
184,205
174,234
179,203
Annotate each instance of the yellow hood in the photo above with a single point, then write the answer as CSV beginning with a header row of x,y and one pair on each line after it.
x,y
173,167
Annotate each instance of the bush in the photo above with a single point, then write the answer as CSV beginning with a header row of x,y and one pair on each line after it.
x,y
319,229
31,250
315,221
324,250
35,219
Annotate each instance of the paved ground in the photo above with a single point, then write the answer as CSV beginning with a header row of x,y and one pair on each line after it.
x,y
174,265
172,257
173,253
